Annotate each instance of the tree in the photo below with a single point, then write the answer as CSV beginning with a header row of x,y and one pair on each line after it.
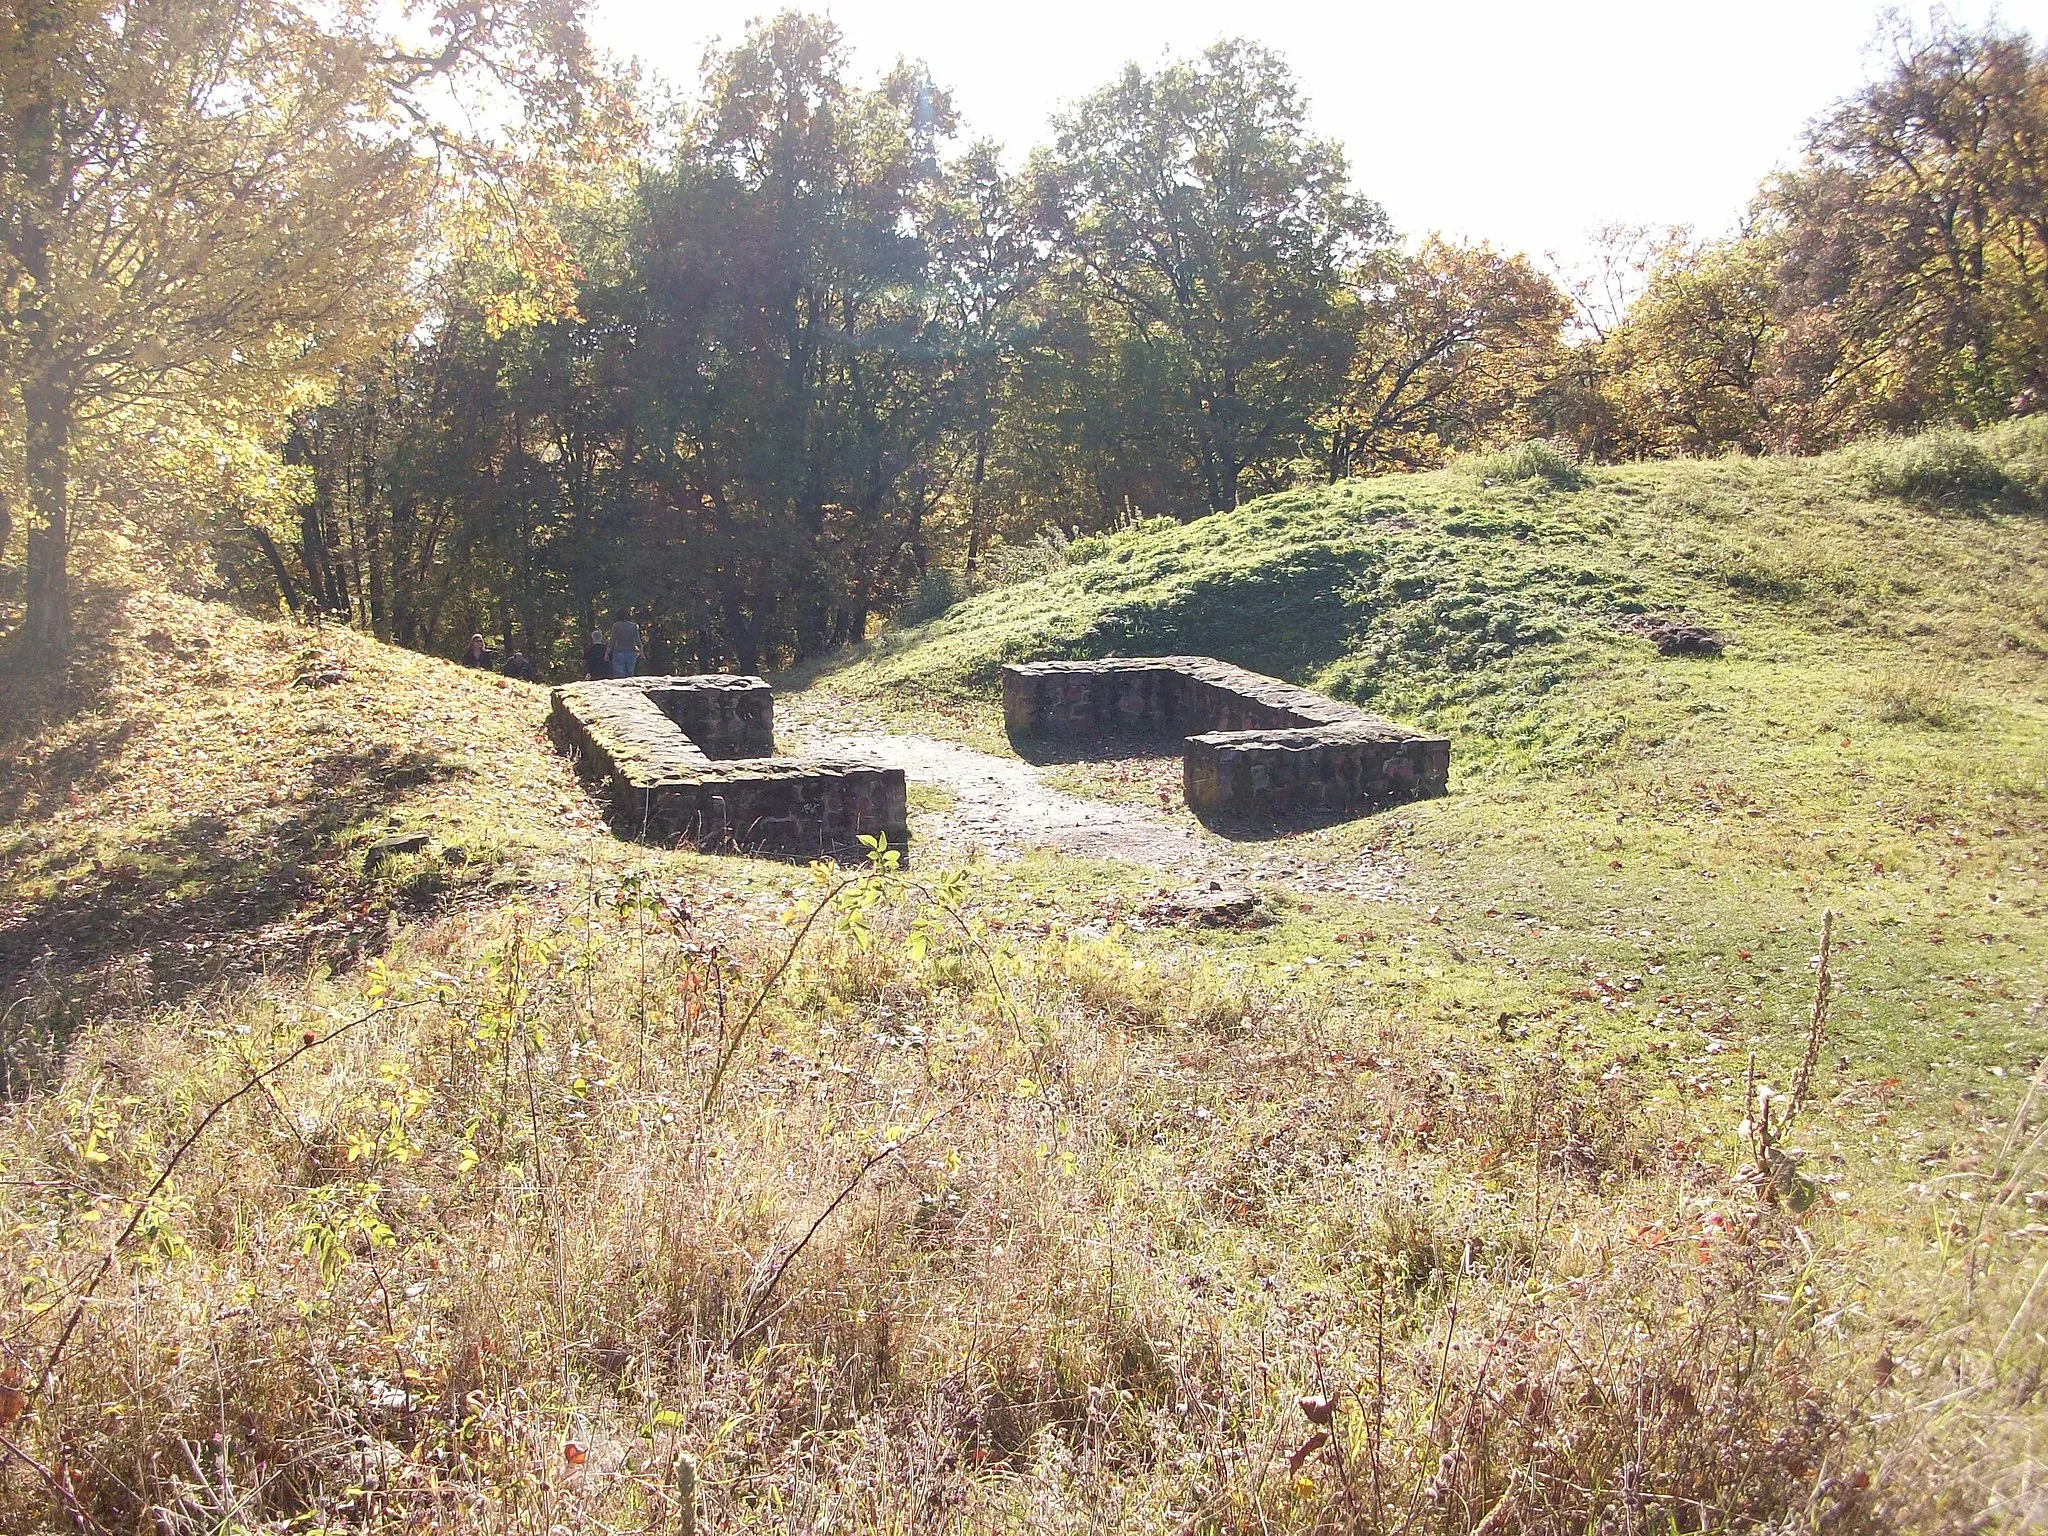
x,y
1695,368
1915,237
1195,204
786,382
986,266
1897,278
192,190
467,475
1455,345
800,367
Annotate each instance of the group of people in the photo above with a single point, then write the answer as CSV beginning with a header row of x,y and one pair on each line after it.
x,y
614,655
617,656
518,664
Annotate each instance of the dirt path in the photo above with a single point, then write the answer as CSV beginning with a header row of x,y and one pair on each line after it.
x,y
1003,808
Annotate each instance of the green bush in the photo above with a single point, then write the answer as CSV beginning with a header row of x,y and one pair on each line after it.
x,y
1532,460
1008,564
2020,450
937,590
1126,529
1945,470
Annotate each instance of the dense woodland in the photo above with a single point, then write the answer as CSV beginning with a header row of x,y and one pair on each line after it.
x,y
778,359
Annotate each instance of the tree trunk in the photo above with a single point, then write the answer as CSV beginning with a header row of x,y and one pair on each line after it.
x,y
46,632
312,552
47,384
285,587
974,505
742,632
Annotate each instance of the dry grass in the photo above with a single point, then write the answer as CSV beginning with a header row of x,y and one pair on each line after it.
x,y
978,1232
487,1262
1919,696
194,807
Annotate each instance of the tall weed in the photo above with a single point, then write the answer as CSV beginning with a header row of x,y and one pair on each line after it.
x,y
971,1239
1537,459
1918,696
2020,449
1947,471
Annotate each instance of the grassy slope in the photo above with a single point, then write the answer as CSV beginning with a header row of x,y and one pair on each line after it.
x,y
1468,1154
1875,740
201,805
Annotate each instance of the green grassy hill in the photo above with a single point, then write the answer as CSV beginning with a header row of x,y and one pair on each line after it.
x,y
537,1180
1497,608
1875,737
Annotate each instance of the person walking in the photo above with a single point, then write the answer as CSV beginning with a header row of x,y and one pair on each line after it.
x,y
597,656
625,645
519,666
478,654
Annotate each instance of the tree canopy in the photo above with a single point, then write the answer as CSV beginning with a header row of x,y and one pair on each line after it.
x,y
197,196
791,357
1196,206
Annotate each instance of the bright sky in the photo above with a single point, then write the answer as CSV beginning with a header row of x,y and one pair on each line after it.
x,y
1526,122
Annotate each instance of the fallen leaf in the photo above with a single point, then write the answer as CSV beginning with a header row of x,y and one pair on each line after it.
x,y
1307,1448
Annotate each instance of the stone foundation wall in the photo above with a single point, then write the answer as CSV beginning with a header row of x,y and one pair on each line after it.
x,y
724,717
787,805
1215,696
1140,697
617,732
721,788
1255,745
1307,772
1155,696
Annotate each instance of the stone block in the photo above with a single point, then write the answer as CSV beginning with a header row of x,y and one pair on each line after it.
x,y
1255,746
722,788
725,717
1319,771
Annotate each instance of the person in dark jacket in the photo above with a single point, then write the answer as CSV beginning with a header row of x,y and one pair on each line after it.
x,y
625,645
597,656
517,665
478,654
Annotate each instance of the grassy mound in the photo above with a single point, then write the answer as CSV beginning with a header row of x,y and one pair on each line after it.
x,y
1508,1178
1464,599
198,804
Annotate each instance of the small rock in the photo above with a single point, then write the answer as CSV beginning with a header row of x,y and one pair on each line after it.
x,y
391,847
1217,906
1688,640
1676,634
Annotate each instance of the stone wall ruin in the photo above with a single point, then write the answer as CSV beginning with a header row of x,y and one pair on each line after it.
x,y
1253,745
691,759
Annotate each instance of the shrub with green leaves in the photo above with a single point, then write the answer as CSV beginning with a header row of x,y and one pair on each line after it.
x,y
1535,459
2020,450
1008,564
1948,471
937,590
